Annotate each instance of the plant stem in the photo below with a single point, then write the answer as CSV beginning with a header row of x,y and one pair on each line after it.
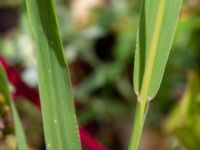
x,y
143,98
138,125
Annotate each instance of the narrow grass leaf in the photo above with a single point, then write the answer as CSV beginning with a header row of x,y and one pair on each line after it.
x,y
4,90
156,32
157,27
58,112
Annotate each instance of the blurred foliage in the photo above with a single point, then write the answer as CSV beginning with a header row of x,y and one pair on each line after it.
x,y
7,137
9,3
183,119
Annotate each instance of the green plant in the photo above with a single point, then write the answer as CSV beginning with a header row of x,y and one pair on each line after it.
x,y
157,26
187,127
4,91
60,124
156,32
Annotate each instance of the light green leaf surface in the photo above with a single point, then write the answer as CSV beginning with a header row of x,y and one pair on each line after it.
x,y
59,119
157,27
156,32
4,90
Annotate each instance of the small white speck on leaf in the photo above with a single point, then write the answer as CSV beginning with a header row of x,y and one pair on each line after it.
x,y
49,145
55,121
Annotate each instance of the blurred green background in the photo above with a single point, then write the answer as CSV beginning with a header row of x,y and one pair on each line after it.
x,y
99,41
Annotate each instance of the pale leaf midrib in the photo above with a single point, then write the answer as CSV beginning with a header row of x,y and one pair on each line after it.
x,y
152,52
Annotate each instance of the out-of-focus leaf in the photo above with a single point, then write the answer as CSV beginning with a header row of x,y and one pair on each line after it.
x,y
4,90
98,79
9,2
188,25
183,120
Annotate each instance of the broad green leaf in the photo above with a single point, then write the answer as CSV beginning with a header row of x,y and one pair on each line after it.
x,y
58,112
156,32
4,90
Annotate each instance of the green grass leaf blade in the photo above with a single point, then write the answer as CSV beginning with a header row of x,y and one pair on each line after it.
x,y
59,119
156,32
157,27
4,90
